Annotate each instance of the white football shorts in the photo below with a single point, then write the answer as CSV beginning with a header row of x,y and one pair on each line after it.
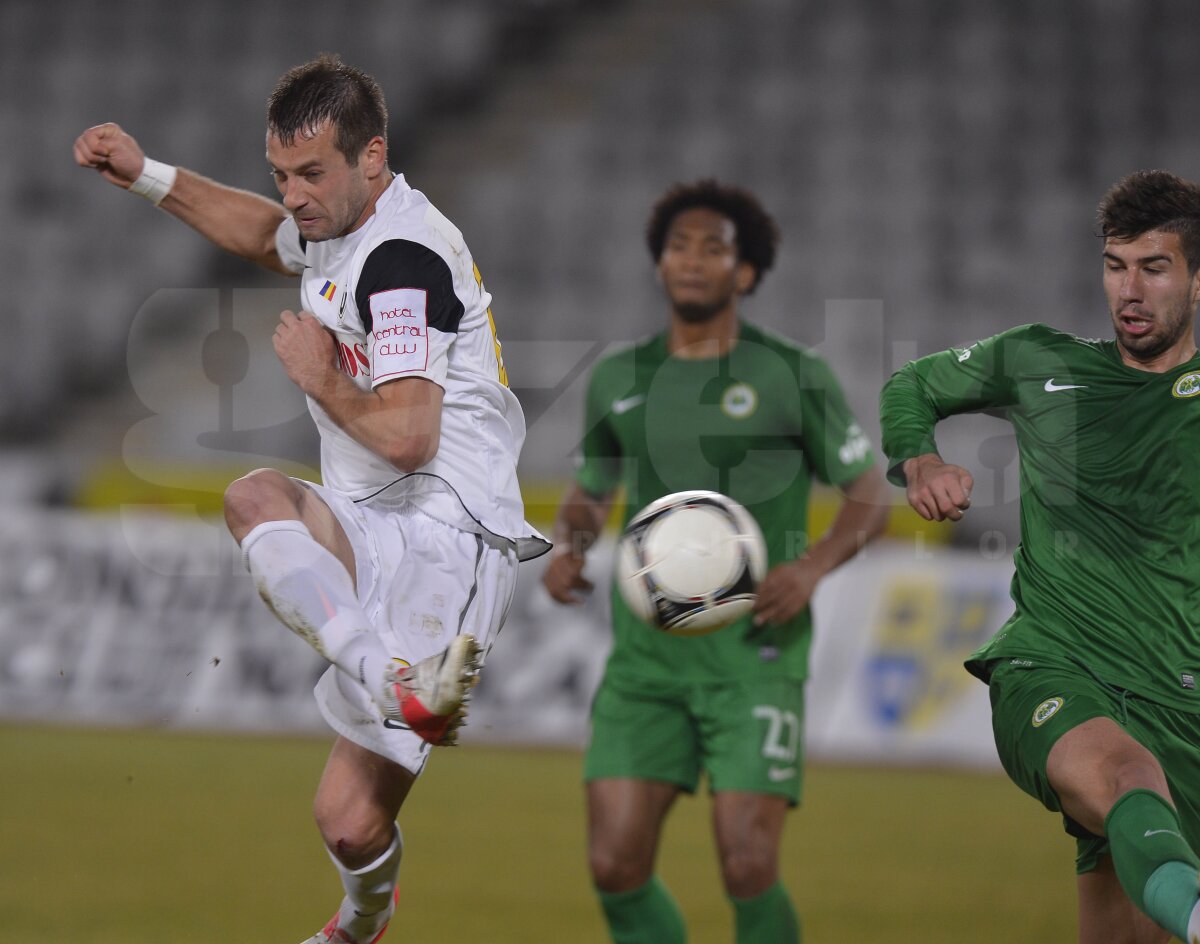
x,y
421,583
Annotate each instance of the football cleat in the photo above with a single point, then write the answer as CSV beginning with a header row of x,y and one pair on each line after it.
x,y
334,933
431,696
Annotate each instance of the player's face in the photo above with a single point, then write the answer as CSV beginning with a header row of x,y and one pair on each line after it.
x,y
325,195
699,265
1151,296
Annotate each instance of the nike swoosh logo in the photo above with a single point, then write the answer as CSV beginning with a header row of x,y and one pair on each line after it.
x,y
1051,386
776,774
1155,832
395,725
624,406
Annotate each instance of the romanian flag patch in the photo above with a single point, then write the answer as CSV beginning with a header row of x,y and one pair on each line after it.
x,y
328,290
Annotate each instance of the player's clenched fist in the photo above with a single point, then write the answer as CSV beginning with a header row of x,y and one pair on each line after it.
x,y
305,348
111,151
936,489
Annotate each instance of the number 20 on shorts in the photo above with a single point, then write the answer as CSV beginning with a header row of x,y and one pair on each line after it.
x,y
782,742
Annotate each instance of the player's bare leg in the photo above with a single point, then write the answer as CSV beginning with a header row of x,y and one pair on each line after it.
x,y
749,830
304,568
1112,786
357,803
1107,916
625,820
1094,764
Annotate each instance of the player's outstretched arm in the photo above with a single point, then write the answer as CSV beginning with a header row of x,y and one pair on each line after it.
x,y
862,517
579,522
237,221
936,489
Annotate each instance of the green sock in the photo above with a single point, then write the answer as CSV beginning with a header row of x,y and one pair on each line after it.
x,y
1171,893
768,918
1153,862
645,915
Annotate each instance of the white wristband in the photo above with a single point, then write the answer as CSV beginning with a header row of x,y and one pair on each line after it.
x,y
155,182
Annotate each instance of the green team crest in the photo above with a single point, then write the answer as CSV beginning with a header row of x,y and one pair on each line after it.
x,y
1186,386
1046,710
739,401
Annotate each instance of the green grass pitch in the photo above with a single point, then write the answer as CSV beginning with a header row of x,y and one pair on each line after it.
x,y
113,837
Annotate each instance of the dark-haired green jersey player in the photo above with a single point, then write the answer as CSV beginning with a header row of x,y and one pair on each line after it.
x,y
712,403
1093,680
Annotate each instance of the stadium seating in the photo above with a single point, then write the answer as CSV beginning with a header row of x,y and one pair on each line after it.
x,y
939,162
190,81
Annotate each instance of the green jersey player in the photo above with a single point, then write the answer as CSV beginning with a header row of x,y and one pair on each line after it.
x,y
712,403
1095,707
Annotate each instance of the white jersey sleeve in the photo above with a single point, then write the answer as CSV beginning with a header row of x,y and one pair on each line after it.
x,y
290,245
410,310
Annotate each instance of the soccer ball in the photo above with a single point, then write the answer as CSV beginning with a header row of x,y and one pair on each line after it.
x,y
690,563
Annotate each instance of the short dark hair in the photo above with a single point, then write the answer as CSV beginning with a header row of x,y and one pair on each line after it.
x,y
757,233
1154,199
327,89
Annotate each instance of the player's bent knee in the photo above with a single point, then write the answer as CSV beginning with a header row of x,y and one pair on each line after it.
x,y
612,872
1091,803
356,840
1140,772
261,495
746,875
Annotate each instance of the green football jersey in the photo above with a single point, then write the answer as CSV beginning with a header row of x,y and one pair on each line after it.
x,y
756,424
1108,569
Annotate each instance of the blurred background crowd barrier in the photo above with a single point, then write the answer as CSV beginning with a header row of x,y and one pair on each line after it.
x,y
152,622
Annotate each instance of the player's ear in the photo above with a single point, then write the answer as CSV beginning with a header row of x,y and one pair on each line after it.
x,y
744,277
375,156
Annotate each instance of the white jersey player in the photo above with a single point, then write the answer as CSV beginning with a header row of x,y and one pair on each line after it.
x,y
403,298
399,569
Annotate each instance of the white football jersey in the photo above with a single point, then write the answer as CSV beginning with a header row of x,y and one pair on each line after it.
x,y
403,298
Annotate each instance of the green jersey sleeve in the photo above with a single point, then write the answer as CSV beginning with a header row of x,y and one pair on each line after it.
x,y
838,449
599,471
971,379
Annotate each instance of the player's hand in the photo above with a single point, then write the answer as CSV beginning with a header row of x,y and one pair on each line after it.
x,y
785,591
111,151
937,490
564,580
305,348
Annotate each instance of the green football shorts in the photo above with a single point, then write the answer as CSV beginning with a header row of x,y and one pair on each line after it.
x,y
743,735
1034,705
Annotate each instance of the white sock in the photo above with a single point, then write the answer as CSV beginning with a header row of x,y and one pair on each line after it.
x,y
310,591
369,892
